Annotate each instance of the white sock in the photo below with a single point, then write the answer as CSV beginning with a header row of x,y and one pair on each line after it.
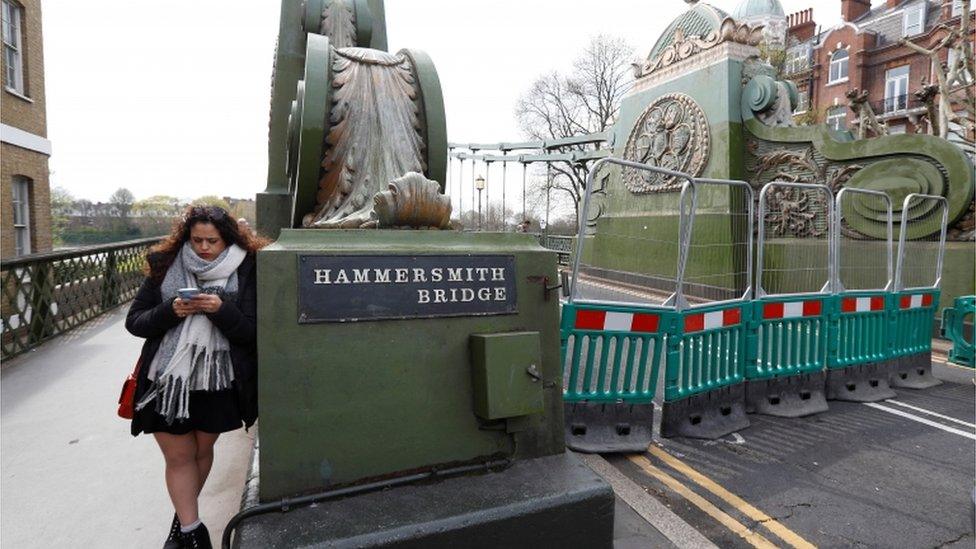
x,y
190,527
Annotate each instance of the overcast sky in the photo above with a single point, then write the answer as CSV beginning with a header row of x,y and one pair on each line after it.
x,y
172,97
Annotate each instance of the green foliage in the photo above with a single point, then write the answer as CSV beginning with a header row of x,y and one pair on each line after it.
x,y
61,205
211,200
775,56
810,117
158,205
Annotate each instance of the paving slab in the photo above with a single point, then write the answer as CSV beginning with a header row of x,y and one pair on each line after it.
x,y
71,475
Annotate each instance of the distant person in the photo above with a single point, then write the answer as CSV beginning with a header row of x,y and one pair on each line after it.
x,y
244,226
198,375
523,227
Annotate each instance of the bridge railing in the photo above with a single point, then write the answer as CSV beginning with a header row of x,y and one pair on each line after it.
x,y
561,244
47,294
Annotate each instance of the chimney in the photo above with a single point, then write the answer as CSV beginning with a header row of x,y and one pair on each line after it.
x,y
852,9
800,25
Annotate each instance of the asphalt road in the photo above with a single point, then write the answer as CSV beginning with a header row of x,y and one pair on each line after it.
x,y
855,476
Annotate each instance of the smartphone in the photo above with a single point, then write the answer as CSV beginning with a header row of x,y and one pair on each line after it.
x,y
187,294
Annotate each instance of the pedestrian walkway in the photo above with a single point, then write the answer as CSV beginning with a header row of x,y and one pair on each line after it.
x,y
72,475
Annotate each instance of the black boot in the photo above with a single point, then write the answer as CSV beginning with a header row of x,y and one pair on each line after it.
x,y
198,538
175,538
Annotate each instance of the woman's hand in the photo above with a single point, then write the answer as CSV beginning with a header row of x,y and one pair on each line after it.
x,y
206,303
182,308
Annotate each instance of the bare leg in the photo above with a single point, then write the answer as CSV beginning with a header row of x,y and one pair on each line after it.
x,y
182,473
205,455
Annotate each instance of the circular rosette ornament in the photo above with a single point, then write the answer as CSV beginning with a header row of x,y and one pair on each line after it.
x,y
671,133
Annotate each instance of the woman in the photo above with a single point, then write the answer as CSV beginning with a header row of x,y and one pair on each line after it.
x,y
198,374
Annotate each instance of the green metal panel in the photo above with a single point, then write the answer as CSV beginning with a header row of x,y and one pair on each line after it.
x,y
791,334
434,119
341,402
505,374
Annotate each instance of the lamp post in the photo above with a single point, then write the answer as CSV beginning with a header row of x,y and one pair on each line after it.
x,y
480,185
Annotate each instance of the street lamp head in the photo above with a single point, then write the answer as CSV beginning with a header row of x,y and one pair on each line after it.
x,y
479,183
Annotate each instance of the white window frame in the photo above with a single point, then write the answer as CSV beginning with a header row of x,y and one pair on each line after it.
x,y
897,129
837,118
13,52
896,80
957,8
802,101
918,27
20,188
797,58
842,64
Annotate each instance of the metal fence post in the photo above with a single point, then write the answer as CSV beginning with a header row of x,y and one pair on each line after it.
x,y
109,287
40,303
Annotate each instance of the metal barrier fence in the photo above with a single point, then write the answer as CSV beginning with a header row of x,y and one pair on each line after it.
x,y
47,294
615,343
860,349
562,245
786,377
838,322
918,275
612,339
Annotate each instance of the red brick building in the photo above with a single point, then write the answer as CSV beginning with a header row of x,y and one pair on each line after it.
x,y
25,197
864,51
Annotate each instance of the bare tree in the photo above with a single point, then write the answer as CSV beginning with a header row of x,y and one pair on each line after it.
x,y
953,80
122,201
585,101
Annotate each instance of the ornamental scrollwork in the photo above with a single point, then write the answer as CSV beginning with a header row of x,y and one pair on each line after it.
x,y
684,47
672,133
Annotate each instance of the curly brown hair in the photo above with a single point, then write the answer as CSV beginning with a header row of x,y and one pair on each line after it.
x,y
161,256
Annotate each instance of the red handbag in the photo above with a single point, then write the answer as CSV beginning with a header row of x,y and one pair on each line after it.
x,y
127,404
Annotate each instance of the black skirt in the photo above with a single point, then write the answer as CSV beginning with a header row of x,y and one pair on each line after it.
x,y
210,412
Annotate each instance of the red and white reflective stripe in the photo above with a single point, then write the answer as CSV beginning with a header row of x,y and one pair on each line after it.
x,y
588,319
715,319
916,301
792,309
862,304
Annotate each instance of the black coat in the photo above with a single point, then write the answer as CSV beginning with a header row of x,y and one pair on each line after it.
x,y
151,318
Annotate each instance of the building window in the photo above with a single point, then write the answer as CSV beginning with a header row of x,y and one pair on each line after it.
x,y
13,54
797,59
837,118
21,204
838,66
896,89
802,102
897,129
956,8
913,20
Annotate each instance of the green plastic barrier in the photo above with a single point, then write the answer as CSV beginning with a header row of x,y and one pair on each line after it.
x,y
859,354
913,313
788,354
710,350
612,356
612,353
953,328
862,330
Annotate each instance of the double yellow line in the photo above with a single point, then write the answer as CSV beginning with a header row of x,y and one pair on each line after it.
x,y
754,538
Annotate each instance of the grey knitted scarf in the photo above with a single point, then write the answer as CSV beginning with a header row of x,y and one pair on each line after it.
x,y
194,355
